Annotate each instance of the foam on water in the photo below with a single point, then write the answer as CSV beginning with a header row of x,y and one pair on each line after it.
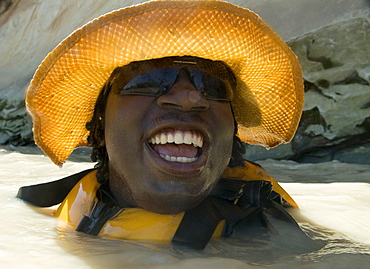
x,y
335,215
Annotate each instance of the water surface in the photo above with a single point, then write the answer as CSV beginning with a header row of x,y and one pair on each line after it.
x,y
334,211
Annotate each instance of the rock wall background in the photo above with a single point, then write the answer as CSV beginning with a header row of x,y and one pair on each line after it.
x,y
331,39
335,124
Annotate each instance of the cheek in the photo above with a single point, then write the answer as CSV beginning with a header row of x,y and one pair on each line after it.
x,y
223,130
120,129
223,122
115,128
123,116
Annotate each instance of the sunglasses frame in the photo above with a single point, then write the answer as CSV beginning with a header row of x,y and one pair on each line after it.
x,y
121,76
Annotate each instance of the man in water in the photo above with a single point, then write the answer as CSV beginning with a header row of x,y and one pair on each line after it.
x,y
165,93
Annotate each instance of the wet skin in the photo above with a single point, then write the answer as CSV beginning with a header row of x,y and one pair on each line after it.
x,y
139,176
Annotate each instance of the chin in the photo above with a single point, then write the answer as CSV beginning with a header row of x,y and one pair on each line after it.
x,y
171,204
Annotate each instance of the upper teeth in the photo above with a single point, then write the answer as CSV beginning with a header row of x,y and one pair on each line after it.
x,y
178,137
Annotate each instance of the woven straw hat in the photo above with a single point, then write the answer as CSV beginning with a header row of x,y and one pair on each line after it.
x,y
267,102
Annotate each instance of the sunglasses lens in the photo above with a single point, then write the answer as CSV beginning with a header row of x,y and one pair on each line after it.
x,y
159,81
152,83
209,86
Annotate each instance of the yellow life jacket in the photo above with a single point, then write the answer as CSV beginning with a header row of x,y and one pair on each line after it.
x,y
139,224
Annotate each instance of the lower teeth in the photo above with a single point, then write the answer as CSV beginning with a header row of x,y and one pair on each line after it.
x,y
178,159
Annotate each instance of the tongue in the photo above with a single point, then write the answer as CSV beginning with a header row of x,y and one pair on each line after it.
x,y
174,150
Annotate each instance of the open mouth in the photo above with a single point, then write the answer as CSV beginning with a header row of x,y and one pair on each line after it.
x,y
177,146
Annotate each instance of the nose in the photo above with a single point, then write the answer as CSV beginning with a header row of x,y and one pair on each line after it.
x,y
183,95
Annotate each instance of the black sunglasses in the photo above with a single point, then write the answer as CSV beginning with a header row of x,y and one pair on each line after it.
x,y
212,79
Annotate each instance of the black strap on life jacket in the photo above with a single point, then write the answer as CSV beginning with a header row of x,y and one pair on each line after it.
x,y
50,193
99,215
102,210
199,224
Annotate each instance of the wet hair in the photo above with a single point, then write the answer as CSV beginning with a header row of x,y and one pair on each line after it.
x,y
96,137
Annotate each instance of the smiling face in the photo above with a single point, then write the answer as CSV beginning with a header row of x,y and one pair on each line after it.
x,y
166,153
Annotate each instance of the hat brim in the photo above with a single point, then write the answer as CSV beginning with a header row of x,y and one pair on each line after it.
x,y
267,102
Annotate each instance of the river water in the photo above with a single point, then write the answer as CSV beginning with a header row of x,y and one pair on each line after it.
x,y
334,211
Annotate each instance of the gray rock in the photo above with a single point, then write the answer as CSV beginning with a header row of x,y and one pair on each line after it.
x,y
330,38
336,61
